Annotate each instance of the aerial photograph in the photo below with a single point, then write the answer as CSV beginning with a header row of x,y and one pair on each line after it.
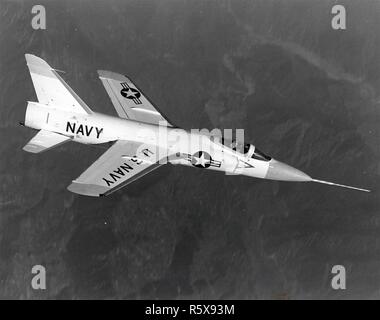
x,y
197,150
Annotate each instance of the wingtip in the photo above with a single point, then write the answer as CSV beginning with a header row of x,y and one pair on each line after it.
x,y
30,56
105,73
101,72
32,59
84,189
112,75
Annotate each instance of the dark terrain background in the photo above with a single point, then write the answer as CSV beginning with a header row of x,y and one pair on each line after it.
x,y
304,93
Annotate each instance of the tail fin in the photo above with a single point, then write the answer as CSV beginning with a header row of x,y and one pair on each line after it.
x,y
51,89
45,140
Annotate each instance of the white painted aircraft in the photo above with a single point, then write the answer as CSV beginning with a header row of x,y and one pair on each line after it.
x,y
140,136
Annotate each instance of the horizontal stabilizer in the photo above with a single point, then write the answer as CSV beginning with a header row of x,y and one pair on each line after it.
x,y
45,140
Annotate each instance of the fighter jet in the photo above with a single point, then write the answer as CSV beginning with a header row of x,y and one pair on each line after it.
x,y
141,138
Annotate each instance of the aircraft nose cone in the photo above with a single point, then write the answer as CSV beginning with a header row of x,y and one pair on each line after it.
x,y
283,172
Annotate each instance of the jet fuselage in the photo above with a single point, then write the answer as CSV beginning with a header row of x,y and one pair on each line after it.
x,y
177,145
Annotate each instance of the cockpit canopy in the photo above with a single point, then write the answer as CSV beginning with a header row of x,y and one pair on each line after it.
x,y
255,153
249,150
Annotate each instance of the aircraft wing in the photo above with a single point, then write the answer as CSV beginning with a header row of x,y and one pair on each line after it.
x,y
123,163
128,100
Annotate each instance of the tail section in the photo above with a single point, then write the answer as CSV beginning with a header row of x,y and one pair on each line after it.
x,y
52,92
50,88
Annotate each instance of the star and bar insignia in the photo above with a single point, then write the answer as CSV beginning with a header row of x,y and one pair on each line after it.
x,y
130,93
202,159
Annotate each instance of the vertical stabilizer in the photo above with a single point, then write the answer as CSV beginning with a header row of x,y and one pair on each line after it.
x,y
50,88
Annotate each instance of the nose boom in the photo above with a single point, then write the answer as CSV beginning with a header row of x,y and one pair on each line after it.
x,y
283,172
280,171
